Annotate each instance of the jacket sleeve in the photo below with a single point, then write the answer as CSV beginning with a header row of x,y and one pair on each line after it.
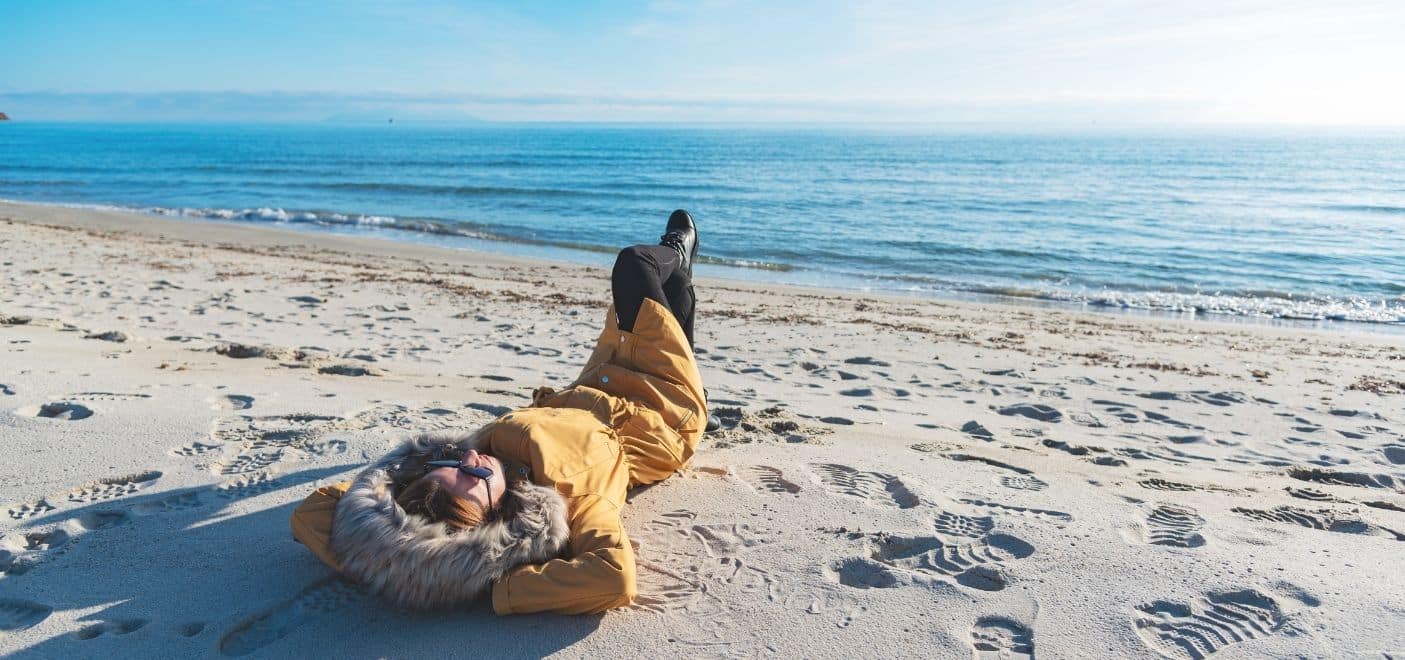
x,y
598,576
312,521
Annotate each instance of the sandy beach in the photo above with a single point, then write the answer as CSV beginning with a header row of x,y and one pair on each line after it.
x,y
895,477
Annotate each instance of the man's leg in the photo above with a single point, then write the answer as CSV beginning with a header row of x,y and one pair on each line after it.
x,y
654,272
682,301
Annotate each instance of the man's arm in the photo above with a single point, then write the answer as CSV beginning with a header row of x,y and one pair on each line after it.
x,y
312,521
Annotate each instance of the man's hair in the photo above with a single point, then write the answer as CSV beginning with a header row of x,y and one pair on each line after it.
x,y
429,498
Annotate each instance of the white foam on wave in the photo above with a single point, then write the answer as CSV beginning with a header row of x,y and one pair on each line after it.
x,y
267,214
1359,310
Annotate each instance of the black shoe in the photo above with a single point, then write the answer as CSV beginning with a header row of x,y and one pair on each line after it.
x,y
682,235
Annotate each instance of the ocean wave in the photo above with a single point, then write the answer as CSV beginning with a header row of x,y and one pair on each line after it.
x,y
1275,305
1384,209
421,188
419,225
1257,303
268,214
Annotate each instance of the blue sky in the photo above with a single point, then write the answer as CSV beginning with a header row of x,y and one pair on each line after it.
x,y
1051,61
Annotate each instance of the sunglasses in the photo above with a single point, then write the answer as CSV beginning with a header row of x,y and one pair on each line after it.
x,y
473,470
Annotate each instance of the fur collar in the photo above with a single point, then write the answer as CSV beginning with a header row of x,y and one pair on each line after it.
x,y
418,564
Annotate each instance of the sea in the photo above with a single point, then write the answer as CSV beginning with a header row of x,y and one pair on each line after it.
x,y
1263,225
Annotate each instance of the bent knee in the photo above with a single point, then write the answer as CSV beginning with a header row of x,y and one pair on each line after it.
x,y
633,260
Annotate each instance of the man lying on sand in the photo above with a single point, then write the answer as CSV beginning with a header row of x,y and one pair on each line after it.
x,y
530,504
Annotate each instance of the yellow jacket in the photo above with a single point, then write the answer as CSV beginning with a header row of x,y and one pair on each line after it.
x,y
633,417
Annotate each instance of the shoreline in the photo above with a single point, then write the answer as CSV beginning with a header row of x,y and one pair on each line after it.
x,y
758,277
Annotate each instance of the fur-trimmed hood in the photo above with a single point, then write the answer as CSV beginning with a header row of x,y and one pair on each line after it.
x,y
419,564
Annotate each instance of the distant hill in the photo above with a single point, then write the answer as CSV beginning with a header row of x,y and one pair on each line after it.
x,y
4,117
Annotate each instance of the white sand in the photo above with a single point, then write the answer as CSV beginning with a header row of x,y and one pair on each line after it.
x,y
903,478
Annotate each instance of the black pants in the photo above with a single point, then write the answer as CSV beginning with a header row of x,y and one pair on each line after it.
x,y
654,272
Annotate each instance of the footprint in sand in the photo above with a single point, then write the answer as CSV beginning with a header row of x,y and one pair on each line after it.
x,y
122,627
864,573
245,463
1324,519
103,519
170,503
1169,525
27,510
22,551
65,410
1197,396
1208,624
1336,478
1027,482
1001,638
112,487
190,629
6,390
323,448
872,486
353,370
322,598
973,565
429,418
275,431
1045,514
1035,411
230,402
17,615
1312,494
1162,484
249,485
956,524
771,479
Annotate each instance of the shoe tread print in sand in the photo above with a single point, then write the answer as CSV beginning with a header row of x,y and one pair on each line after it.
x,y
1324,519
1001,638
975,564
878,487
1170,525
322,598
1208,624
22,550
770,479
